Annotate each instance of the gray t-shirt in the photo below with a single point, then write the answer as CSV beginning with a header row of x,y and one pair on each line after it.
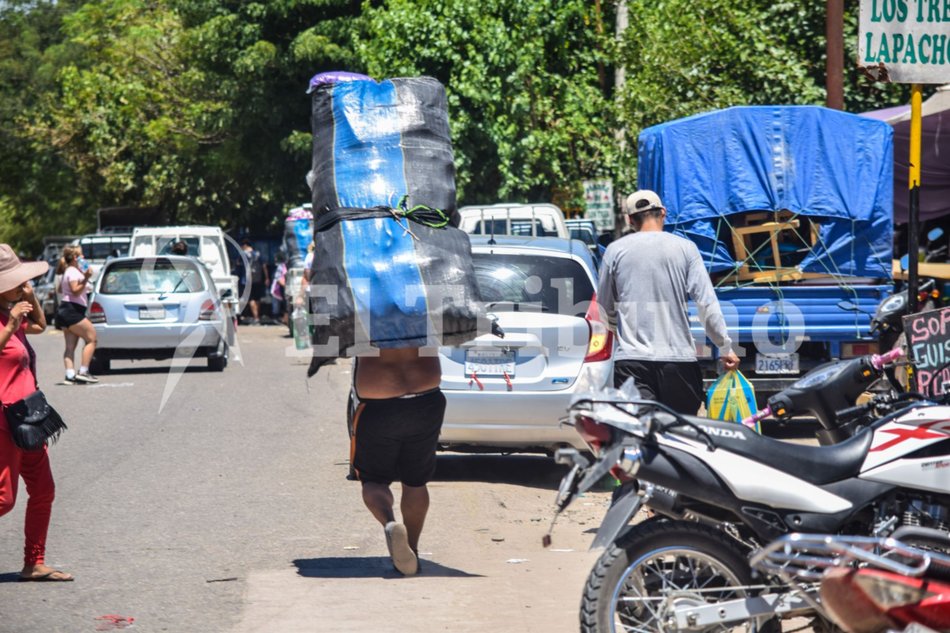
x,y
646,280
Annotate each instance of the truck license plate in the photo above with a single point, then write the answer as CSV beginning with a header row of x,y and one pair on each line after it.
x,y
490,362
776,364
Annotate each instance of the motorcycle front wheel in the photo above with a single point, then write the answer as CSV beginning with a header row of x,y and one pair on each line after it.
x,y
660,565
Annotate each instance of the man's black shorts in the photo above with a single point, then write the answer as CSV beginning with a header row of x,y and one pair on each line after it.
x,y
257,291
678,385
395,439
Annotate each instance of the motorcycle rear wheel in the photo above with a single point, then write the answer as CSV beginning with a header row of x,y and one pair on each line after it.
x,y
659,565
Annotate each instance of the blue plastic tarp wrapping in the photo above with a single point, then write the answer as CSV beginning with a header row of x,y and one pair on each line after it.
x,y
377,142
830,165
382,282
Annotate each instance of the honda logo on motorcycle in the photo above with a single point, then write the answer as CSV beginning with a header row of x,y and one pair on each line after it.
x,y
727,433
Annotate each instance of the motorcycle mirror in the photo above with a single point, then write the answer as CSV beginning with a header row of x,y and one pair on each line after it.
x,y
935,234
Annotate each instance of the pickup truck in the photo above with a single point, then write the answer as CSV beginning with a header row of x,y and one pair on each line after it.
x,y
791,208
512,218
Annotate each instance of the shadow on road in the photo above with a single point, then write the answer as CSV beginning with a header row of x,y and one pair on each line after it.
x,y
537,471
369,567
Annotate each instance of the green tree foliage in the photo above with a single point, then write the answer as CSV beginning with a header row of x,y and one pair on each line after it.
x,y
528,106
37,189
198,106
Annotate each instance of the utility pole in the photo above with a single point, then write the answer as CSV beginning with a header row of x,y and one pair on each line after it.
x,y
834,53
620,79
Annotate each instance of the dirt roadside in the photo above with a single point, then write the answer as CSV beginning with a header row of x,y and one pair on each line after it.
x,y
483,568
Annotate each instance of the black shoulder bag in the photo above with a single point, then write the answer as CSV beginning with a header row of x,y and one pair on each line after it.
x,y
33,422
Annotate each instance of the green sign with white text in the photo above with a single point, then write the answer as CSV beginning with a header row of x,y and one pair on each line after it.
x,y
906,41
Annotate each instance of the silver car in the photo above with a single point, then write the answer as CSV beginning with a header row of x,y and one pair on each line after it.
x,y
509,394
158,308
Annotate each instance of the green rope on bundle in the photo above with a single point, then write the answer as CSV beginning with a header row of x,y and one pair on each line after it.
x,y
423,214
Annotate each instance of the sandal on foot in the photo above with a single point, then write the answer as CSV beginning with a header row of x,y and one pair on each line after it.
x,y
397,540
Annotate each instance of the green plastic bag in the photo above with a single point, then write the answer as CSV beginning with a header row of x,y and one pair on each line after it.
x,y
731,398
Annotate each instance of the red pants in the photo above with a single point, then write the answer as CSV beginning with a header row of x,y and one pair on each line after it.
x,y
33,466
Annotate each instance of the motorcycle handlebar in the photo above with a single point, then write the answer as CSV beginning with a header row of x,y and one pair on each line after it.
x,y
878,361
756,417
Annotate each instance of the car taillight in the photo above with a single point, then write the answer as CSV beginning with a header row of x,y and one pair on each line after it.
x,y
96,313
601,343
853,350
592,432
208,311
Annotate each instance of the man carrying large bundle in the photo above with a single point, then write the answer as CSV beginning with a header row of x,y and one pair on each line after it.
x,y
387,254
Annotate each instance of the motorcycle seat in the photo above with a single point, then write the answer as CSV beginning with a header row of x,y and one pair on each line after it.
x,y
818,465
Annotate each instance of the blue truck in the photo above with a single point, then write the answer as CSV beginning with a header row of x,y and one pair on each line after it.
x,y
791,208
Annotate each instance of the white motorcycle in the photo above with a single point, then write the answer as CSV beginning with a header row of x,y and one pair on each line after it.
x,y
719,491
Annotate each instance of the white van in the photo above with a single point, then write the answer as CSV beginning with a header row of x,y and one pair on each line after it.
x,y
508,218
207,243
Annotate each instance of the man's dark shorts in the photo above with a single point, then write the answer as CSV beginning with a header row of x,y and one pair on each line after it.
x,y
395,439
678,385
257,291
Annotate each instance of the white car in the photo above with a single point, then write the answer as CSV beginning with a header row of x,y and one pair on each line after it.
x,y
158,308
510,393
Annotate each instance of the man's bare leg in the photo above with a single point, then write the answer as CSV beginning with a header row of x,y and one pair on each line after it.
x,y
379,499
414,505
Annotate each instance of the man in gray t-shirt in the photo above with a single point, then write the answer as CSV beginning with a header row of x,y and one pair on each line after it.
x,y
646,280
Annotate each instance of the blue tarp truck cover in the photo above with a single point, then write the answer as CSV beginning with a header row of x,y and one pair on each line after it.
x,y
812,161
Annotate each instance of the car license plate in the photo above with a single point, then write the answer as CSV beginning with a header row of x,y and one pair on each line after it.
x,y
490,362
151,314
776,364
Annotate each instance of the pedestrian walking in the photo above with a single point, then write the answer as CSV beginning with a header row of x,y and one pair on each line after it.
x,y
278,290
22,314
398,416
646,280
257,277
71,315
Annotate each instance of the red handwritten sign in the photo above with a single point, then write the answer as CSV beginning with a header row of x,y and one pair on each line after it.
x,y
928,342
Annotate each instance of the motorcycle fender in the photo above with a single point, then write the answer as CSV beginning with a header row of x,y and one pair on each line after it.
x,y
617,517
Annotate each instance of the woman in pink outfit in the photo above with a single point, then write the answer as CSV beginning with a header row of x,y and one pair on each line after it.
x,y
71,315
21,314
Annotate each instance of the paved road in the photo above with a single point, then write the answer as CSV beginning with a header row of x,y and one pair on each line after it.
x,y
218,502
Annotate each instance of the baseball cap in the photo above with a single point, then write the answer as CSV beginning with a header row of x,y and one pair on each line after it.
x,y
643,200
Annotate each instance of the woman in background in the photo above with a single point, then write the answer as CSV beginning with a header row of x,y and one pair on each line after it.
x,y
71,316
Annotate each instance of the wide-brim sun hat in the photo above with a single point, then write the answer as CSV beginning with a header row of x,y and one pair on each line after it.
x,y
13,272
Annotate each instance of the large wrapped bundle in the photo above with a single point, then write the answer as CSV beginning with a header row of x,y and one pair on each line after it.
x,y
298,234
390,270
390,280
376,143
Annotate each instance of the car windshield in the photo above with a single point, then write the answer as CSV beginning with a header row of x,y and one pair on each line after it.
x,y
583,233
163,276
102,247
165,244
539,283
